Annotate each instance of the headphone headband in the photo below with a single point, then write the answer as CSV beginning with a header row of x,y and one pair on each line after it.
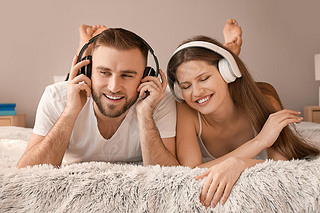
x,y
215,48
86,47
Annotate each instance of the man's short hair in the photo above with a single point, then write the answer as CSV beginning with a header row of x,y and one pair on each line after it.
x,y
121,39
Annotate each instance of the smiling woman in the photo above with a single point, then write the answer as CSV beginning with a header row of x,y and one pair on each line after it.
x,y
222,111
196,77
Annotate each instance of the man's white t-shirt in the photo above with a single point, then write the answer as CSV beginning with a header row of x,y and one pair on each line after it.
x,y
86,143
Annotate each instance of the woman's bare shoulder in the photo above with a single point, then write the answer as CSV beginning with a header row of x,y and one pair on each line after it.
x,y
187,116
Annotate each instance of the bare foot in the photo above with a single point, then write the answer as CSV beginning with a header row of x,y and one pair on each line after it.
x,y
233,36
86,32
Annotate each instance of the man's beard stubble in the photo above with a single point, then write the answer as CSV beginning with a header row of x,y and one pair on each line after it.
x,y
109,110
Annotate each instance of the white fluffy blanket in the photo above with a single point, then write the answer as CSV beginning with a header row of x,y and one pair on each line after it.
x,y
283,186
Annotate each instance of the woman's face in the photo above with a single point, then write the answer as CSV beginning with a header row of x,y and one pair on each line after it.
x,y
202,86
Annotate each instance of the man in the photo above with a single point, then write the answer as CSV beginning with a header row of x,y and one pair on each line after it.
x,y
114,116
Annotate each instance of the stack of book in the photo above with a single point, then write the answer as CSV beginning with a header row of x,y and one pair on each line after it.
x,y
7,109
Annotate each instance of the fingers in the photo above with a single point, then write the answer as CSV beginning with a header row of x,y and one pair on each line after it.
x,y
212,186
154,82
84,87
275,124
212,191
149,80
219,182
226,193
81,79
164,80
208,192
283,114
206,186
288,121
147,86
217,194
76,66
287,111
286,116
74,62
80,83
201,176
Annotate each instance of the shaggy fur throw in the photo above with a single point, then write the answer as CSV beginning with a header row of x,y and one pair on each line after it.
x,y
284,186
272,186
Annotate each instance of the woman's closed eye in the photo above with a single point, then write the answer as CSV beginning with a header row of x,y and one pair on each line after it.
x,y
185,86
204,78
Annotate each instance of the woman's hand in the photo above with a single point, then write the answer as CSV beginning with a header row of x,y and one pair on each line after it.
x,y
220,180
274,125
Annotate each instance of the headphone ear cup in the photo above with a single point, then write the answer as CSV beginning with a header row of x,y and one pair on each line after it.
x,y
87,70
226,71
177,93
149,71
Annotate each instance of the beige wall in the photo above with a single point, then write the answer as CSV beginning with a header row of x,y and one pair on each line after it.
x,y
39,39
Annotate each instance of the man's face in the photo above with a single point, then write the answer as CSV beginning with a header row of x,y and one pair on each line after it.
x,y
116,75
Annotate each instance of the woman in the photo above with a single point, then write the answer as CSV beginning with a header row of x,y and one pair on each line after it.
x,y
222,109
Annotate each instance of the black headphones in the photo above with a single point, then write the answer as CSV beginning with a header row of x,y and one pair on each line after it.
x,y
87,70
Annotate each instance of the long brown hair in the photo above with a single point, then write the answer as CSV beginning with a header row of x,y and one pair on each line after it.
x,y
245,94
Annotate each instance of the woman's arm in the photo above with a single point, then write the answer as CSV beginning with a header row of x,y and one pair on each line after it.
x,y
264,140
188,150
225,171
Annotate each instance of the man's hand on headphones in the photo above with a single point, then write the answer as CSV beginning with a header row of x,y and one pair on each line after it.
x,y
78,87
151,91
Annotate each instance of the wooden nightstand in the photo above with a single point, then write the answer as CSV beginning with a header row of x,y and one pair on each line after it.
x,y
13,120
312,114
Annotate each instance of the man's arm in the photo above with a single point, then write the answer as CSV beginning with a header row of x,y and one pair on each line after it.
x,y
51,148
155,150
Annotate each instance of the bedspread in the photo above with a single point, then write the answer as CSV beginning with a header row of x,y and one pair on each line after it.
x,y
272,186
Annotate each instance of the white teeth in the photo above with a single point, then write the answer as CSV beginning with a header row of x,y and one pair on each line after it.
x,y
203,100
113,97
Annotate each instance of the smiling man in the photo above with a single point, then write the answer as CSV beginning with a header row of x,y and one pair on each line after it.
x,y
114,116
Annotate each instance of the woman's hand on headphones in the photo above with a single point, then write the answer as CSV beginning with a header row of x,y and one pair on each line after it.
x,y
274,125
78,87
151,91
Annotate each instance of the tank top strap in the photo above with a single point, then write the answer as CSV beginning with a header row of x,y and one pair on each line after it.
x,y
200,123
254,131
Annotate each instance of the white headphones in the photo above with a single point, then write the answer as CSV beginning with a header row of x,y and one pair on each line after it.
x,y
227,66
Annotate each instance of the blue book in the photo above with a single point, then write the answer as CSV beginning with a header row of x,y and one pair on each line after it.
x,y
7,109
7,106
7,112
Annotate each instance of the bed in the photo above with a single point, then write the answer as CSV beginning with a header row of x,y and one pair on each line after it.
x,y
282,186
